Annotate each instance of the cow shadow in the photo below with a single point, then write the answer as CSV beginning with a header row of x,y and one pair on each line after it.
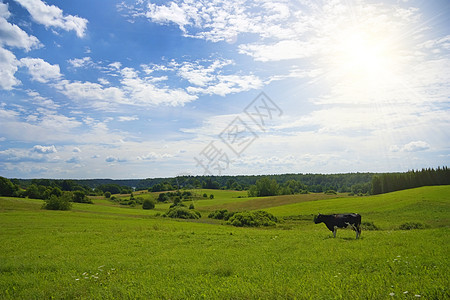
x,y
343,238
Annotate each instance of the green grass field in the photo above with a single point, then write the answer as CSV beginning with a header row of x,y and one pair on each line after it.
x,y
104,251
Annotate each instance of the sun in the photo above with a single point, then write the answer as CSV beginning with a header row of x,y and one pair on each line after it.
x,y
363,55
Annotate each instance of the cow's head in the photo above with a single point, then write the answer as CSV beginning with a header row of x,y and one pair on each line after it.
x,y
318,219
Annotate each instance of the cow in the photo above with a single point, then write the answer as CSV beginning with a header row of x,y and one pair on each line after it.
x,y
333,222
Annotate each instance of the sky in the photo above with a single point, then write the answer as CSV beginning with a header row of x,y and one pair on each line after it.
x,y
145,88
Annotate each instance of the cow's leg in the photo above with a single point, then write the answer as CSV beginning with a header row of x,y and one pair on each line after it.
x,y
334,231
355,228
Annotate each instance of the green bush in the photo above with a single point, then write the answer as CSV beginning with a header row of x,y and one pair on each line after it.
x,y
411,225
107,195
148,204
80,197
253,219
369,226
330,192
162,197
221,214
57,203
181,212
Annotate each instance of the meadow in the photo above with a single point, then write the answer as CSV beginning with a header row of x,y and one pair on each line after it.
x,y
105,251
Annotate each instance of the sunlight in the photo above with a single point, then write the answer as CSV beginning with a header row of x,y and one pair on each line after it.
x,y
364,56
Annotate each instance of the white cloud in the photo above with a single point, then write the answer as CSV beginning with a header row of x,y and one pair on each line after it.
x,y
103,81
210,79
42,101
200,75
416,146
12,35
52,16
127,118
91,94
144,92
218,20
40,70
152,156
114,159
167,14
8,67
74,160
45,149
4,12
282,50
228,84
80,62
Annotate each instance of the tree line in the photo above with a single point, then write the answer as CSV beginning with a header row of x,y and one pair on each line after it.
x,y
279,184
390,182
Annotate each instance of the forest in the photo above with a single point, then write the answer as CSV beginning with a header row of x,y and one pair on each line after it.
x,y
281,184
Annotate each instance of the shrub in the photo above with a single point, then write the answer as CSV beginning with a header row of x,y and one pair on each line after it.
x,y
253,219
369,226
411,225
330,192
191,206
148,204
107,195
221,214
181,212
211,196
205,195
57,203
80,197
162,197
177,204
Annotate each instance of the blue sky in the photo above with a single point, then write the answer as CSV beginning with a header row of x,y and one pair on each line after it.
x,y
137,89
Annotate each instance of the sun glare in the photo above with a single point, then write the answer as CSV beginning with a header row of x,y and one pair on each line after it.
x,y
363,56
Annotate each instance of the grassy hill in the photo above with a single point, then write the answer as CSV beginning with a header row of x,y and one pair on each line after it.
x,y
107,251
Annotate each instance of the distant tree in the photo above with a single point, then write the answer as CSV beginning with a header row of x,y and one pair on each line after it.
x,y
162,197
57,203
376,185
80,197
7,188
107,195
33,192
264,187
148,204
211,196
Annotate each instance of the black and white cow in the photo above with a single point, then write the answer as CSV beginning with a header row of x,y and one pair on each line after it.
x,y
333,222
